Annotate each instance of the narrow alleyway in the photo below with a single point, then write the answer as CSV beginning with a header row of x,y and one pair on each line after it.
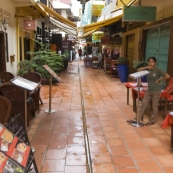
x,y
114,145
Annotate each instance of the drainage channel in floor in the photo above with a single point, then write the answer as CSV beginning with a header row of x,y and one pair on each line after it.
x,y
86,140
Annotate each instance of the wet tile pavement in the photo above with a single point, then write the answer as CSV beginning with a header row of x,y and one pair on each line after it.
x,y
115,146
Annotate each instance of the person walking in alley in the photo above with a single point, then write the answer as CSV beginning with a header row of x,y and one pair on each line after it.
x,y
155,79
80,53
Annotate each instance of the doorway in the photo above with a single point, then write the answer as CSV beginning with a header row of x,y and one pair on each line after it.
x,y
2,52
26,48
130,51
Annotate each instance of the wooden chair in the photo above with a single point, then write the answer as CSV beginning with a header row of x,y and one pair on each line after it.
x,y
6,76
5,109
35,77
95,62
15,95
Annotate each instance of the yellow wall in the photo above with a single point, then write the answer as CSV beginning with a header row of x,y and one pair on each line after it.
x,y
21,33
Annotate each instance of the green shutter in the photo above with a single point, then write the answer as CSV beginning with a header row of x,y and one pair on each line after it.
x,y
157,45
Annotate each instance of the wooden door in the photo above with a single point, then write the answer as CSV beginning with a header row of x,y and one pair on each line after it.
x,y
130,51
26,48
2,52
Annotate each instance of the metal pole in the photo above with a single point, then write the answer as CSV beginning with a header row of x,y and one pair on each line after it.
x,y
25,97
50,97
138,124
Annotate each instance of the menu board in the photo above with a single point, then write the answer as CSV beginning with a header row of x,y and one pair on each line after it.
x,y
139,74
7,165
24,83
16,126
52,72
15,155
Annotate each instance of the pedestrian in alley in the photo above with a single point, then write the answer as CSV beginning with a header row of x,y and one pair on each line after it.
x,y
155,80
80,53
100,59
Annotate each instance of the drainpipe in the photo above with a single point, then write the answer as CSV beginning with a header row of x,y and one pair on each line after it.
x,y
43,32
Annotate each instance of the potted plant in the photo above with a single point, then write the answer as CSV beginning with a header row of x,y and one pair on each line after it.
x,y
24,66
123,69
139,64
44,56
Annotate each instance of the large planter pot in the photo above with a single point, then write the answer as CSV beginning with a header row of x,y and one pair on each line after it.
x,y
45,81
144,79
123,71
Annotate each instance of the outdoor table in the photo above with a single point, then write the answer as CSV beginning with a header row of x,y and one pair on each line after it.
x,y
168,121
132,85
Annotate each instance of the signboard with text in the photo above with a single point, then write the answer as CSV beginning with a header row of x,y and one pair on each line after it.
x,y
52,72
30,25
139,14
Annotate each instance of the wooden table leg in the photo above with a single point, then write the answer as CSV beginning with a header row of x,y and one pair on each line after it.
x,y
127,95
134,102
171,143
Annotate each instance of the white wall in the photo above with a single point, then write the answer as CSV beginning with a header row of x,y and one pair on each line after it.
x,y
9,6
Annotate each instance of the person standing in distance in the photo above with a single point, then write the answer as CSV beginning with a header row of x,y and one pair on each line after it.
x,y
155,79
80,52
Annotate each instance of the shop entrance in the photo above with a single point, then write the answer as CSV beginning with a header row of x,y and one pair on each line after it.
x,y
26,48
157,44
130,51
2,52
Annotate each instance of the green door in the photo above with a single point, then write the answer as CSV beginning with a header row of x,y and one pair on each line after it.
x,y
157,45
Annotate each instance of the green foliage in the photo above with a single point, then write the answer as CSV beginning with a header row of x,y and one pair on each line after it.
x,y
25,66
67,54
122,60
45,57
139,64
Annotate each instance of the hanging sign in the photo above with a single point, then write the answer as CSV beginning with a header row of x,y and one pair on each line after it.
x,y
139,14
30,25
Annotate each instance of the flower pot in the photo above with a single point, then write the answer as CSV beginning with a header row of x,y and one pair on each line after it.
x,y
144,79
45,81
123,72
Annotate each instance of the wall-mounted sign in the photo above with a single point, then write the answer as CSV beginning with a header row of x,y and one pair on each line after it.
x,y
98,35
139,14
27,35
30,25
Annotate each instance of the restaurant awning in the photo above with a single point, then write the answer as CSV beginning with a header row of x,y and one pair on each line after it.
x,y
58,16
67,29
100,24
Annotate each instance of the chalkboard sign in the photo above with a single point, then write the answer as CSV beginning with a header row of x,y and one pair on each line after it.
x,y
16,126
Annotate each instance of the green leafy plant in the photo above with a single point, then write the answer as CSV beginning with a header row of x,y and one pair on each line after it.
x,y
44,56
122,60
139,64
66,54
24,66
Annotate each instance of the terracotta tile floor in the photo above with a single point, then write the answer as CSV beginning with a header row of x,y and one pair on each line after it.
x,y
115,146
